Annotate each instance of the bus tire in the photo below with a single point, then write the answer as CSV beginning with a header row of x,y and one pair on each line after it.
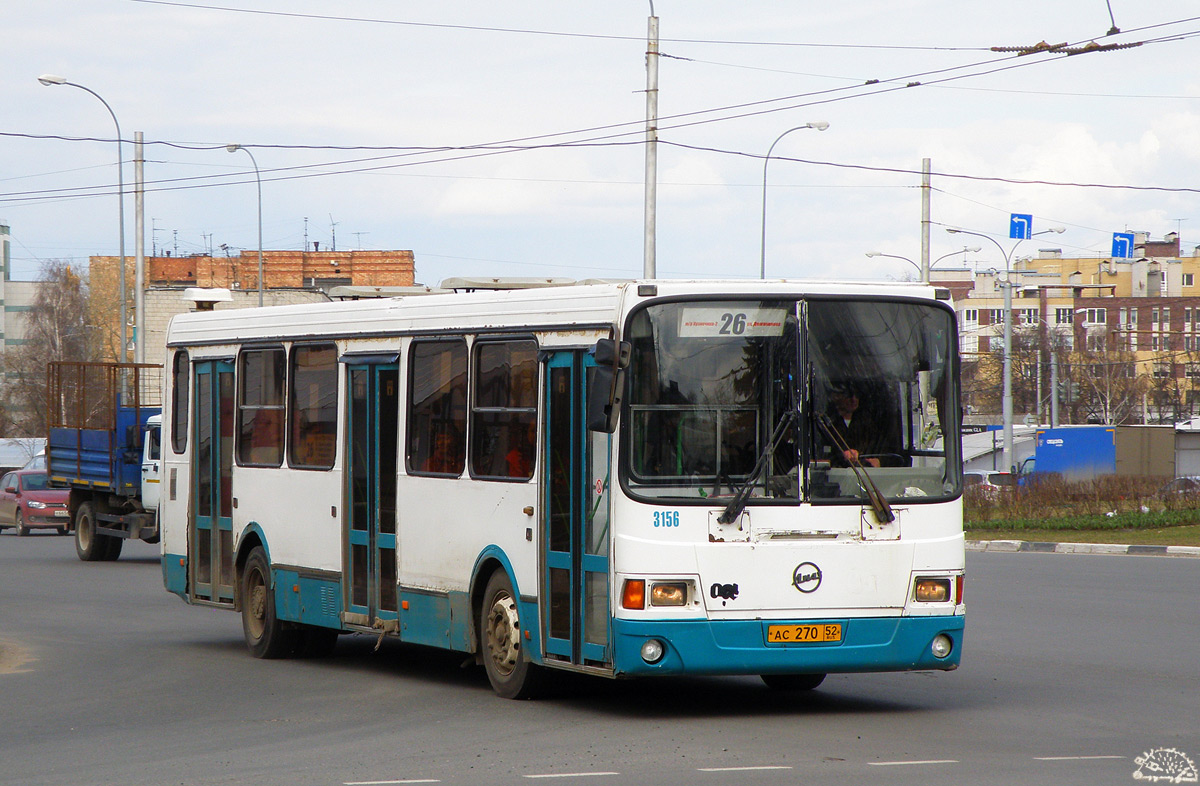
x,y
793,681
266,636
500,642
89,546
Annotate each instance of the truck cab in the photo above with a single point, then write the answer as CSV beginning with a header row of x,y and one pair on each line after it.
x,y
152,463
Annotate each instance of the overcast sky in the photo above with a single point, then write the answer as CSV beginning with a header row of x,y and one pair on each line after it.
x,y
356,112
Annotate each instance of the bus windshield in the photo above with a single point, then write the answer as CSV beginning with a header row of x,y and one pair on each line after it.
x,y
710,382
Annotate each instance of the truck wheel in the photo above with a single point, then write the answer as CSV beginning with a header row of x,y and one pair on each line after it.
x,y
19,523
89,546
266,636
500,642
113,550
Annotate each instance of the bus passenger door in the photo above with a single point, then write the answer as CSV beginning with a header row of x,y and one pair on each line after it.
x,y
370,527
210,537
575,482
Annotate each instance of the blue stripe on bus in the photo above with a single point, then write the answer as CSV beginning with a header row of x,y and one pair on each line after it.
x,y
436,619
174,570
740,646
308,600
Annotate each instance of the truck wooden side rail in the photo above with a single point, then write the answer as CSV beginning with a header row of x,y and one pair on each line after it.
x,y
104,421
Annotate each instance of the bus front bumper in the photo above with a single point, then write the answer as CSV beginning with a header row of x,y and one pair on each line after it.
x,y
740,646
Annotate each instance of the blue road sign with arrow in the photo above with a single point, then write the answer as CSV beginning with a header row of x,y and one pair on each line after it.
x,y
1122,245
1020,226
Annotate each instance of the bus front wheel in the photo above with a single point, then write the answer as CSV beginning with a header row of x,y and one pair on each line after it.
x,y
500,642
793,681
266,636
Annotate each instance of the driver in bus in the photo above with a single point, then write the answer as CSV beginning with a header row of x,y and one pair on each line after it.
x,y
861,435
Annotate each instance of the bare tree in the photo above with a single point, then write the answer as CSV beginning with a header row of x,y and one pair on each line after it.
x,y
1110,389
56,328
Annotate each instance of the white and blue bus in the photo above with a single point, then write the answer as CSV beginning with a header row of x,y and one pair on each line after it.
x,y
623,479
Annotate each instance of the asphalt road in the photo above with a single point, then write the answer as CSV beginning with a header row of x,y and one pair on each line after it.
x,y
1075,667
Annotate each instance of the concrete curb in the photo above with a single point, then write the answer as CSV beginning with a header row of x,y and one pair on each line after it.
x,y
1013,546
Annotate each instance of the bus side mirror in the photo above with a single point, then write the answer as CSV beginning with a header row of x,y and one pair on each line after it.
x,y
604,398
607,351
606,382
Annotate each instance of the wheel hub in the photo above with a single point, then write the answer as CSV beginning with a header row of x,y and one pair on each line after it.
x,y
503,634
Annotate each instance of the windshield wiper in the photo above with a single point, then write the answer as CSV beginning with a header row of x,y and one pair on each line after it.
x,y
879,504
742,495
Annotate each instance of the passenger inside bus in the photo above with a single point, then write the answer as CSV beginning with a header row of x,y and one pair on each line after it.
x,y
446,456
522,450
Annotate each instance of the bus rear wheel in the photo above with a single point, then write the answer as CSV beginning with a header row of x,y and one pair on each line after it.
x,y
500,642
793,681
266,636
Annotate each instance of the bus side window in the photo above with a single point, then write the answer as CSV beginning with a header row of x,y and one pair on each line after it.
x,y
504,410
179,402
260,407
437,408
312,407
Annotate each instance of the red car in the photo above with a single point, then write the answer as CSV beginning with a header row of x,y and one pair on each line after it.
x,y
26,503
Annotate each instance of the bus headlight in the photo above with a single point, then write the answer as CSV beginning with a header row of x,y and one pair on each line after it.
x,y
941,648
673,593
653,651
932,590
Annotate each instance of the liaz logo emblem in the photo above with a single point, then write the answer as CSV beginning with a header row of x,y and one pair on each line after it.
x,y
806,577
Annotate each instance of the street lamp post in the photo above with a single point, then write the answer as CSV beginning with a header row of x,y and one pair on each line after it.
x,y
233,148
1007,286
965,250
820,125
54,79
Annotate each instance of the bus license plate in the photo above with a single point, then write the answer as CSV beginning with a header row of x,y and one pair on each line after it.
x,y
803,634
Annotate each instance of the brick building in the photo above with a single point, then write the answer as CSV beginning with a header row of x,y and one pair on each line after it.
x,y
288,277
1130,326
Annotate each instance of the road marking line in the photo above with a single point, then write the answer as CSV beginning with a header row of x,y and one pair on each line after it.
x,y
742,769
570,774
389,783
907,763
1075,758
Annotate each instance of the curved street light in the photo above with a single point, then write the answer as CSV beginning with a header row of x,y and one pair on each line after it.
x,y
964,250
233,148
54,79
1007,402
819,125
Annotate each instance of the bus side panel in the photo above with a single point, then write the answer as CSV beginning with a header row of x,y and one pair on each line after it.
x,y
307,599
446,524
173,514
299,512
174,570
436,619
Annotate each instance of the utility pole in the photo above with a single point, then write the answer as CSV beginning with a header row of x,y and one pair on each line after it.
x,y
649,264
139,240
925,190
